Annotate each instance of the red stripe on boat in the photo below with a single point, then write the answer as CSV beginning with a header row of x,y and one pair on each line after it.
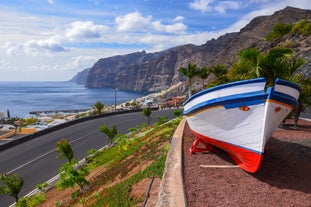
x,y
246,159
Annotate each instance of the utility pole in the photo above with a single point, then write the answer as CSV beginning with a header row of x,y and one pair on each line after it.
x,y
115,99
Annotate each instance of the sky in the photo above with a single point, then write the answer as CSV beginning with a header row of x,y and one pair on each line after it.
x,y
52,40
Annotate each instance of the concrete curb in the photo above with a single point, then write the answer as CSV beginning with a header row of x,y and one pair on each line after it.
x,y
171,191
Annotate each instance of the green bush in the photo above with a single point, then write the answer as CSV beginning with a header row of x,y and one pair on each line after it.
x,y
70,176
178,112
133,129
279,30
41,186
162,119
303,27
31,201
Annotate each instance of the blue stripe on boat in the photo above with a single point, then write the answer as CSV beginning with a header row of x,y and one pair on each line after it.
x,y
279,81
283,98
228,85
232,101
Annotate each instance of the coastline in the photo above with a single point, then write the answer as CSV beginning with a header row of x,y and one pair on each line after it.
x,y
20,98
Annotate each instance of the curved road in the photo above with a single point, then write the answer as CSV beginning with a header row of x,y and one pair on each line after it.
x,y
35,161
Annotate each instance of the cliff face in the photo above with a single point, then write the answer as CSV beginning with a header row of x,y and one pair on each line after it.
x,y
81,77
143,71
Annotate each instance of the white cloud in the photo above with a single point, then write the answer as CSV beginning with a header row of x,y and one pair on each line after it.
x,y
173,28
162,42
133,22
211,5
82,62
225,5
201,5
51,1
85,30
178,19
11,48
42,47
4,65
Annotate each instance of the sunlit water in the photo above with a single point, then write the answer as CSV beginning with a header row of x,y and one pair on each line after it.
x,y
22,97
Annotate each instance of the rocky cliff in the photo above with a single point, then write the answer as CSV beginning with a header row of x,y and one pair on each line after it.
x,y
81,77
143,71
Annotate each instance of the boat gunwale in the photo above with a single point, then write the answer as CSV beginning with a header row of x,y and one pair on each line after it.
x,y
279,81
226,85
246,99
269,94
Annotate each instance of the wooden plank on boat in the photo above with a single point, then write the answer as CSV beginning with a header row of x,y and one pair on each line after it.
x,y
219,166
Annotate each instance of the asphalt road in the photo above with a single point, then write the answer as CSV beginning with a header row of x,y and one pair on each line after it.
x,y
36,160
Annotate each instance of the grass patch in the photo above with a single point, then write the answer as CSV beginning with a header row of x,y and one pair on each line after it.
x,y
118,195
31,201
132,159
151,148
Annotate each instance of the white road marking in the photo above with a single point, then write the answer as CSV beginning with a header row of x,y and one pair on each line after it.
x,y
39,157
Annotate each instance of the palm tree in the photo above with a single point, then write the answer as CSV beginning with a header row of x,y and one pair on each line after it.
x,y
13,184
98,107
251,57
110,133
147,113
278,62
190,72
220,72
247,66
64,150
203,73
241,71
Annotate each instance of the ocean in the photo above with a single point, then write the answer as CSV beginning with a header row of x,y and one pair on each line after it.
x,y
22,97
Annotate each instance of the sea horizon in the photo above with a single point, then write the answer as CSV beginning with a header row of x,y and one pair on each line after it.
x,y
22,97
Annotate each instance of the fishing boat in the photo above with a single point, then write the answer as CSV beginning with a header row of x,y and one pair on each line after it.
x,y
239,117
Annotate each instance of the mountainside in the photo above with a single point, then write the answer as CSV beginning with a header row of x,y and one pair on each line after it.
x,y
151,72
81,77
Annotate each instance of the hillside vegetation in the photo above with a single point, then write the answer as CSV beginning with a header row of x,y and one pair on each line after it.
x,y
115,172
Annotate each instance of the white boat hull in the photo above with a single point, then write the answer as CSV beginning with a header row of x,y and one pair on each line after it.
x,y
240,117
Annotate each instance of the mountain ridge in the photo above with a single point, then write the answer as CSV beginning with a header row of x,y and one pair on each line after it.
x,y
141,71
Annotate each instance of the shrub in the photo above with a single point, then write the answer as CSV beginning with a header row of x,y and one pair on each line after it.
x,y
69,176
41,186
303,27
31,201
13,184
279,30
162,119
178,112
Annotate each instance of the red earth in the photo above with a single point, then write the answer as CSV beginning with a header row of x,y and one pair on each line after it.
x,y
284,178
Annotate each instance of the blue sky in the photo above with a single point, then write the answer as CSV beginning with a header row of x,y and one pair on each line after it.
x,y
52,40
